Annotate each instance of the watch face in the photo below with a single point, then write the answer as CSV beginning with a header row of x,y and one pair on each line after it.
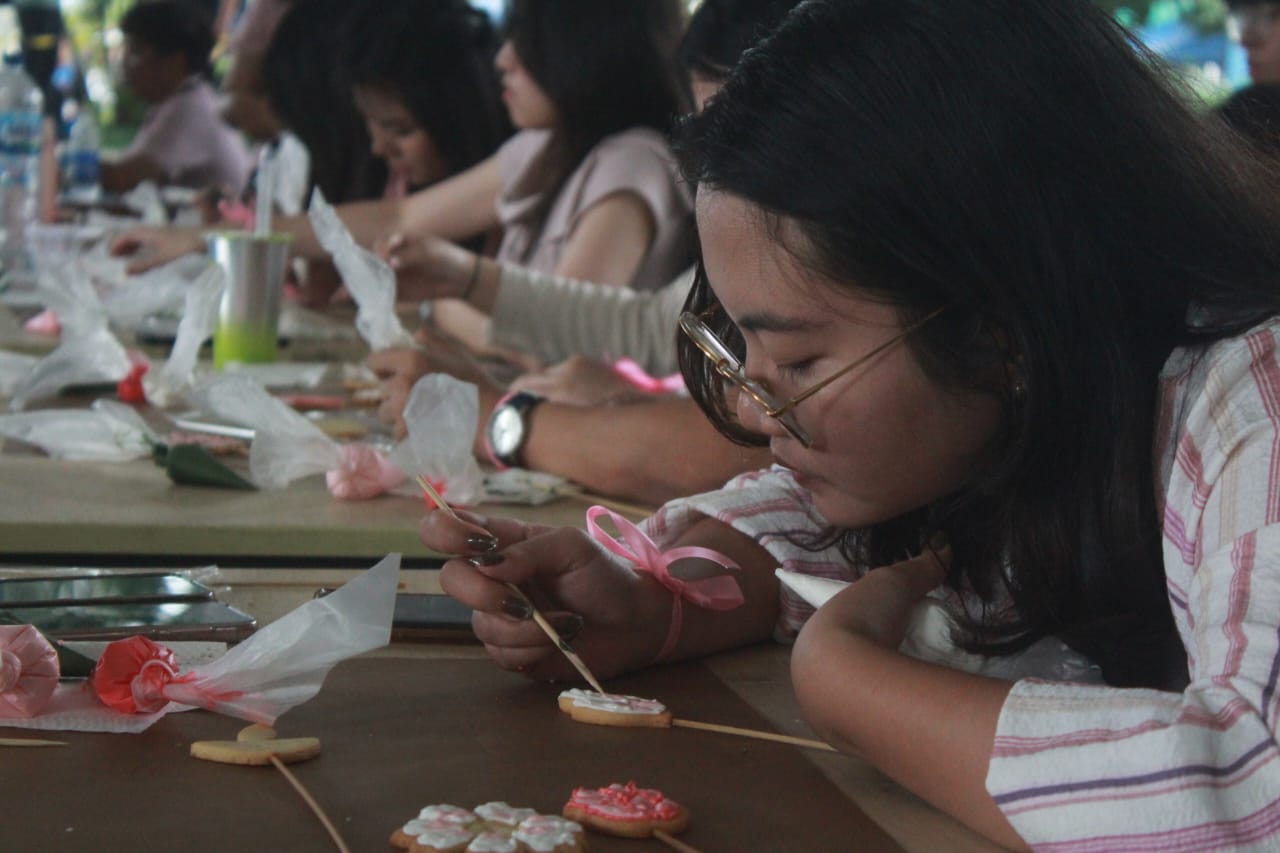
x,y
506,431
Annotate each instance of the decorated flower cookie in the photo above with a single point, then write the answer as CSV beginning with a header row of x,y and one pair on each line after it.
x,y
626,810
491,828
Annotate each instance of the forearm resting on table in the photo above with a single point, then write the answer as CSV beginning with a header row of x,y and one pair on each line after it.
x,y
650,451
928,727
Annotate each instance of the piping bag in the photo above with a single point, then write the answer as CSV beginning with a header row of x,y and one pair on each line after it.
x,y
28,671
280,666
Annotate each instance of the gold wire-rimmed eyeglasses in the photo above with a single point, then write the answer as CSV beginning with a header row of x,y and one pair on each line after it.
x,y
728,366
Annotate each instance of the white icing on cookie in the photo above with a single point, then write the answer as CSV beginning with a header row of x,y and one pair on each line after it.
x,y
613,703
544,833
493,842
503,813
441,834
444,811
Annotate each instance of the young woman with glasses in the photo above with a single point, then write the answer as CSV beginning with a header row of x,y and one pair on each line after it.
x,y
1047,292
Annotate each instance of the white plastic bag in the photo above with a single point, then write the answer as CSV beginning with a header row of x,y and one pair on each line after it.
x,y
282,665
15,367
166,386
89,353
371,282
286,446
440,416
285,663
108,431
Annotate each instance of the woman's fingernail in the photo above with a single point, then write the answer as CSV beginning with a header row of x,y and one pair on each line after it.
x,y
568,626
485,560
517,608
481,544
939,540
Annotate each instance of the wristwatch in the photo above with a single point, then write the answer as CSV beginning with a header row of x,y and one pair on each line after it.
x,y
508,428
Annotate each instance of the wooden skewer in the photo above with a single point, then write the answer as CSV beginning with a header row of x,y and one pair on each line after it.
x,y
314,806
22,741
734,730
541,620
673,842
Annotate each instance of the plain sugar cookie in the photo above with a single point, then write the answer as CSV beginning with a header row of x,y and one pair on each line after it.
x,y
288,750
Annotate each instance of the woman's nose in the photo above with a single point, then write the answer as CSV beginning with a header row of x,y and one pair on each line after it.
x,y
506,54
752,415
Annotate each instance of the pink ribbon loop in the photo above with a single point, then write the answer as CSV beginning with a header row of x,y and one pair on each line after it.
x,y
631,371
721,592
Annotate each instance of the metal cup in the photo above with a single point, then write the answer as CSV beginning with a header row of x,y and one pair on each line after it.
x,y
249,317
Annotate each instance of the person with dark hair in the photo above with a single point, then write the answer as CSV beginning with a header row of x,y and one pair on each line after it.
x,y
1007,320
592,427
182,141
1256,25
313,101
422,76
588,189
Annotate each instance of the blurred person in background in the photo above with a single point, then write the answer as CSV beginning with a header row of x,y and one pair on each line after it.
x,y
1256,25
182,140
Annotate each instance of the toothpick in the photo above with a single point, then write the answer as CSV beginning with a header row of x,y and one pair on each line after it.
x,y
21,741
541,620
673,842
310,801
752,733
564,647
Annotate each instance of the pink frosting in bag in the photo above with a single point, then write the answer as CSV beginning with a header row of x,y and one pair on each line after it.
x,y
363,473
28,671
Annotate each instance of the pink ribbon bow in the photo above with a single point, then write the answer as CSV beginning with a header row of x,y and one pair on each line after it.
x,y
721,592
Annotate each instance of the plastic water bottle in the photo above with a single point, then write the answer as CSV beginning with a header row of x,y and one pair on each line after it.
x,y
82,160
21,113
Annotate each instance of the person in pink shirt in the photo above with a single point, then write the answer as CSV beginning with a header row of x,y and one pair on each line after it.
x,y
182,141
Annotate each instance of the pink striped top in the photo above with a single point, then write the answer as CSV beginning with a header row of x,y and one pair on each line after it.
x,y
1079,767
1085,767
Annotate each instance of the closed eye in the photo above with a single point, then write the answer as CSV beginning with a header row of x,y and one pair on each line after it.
x,y
797,370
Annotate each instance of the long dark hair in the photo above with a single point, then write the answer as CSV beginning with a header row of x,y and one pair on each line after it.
x,y
607,65
1054,193
314,102
436,57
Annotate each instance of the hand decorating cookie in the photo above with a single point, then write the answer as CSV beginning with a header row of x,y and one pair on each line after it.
x,y
614,709
626,810
492,828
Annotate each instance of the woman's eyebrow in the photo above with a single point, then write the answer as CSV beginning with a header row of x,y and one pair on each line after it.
x,y
764,321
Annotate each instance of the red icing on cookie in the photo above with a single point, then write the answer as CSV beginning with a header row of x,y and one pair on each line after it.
x,y
625,803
